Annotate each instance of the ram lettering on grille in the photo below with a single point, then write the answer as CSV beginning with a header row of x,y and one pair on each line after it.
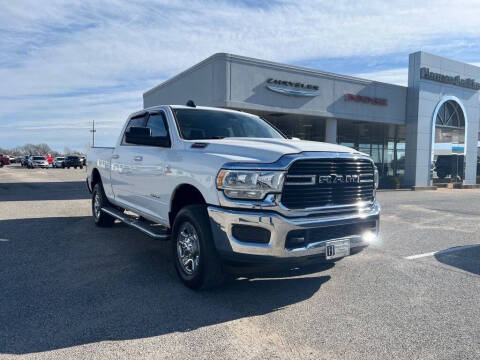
x,y
328,182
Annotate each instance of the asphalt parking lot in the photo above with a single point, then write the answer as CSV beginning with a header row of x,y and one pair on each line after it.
x,y
71,290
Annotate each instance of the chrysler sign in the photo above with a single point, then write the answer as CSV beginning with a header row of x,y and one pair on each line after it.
x,y
425,73
292,87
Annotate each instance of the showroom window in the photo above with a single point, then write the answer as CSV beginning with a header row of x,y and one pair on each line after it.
x,y
302,127
383,142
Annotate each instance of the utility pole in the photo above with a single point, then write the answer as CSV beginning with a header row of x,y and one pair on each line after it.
x,y
93,131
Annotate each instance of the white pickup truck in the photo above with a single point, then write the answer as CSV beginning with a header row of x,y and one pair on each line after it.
x,y
227,188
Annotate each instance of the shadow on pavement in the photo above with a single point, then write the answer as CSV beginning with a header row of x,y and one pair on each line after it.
x,y
36,191
65,282
466,258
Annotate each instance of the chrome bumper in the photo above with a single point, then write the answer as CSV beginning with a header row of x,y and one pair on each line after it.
x,y
223,219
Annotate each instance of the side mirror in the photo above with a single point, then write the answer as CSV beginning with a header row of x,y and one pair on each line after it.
x,y
143,136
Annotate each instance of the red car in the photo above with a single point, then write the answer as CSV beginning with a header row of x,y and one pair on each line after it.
x,y
4,159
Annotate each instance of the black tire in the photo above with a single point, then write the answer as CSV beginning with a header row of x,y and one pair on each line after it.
x,y
101,218
441,174
208,272
68,167
81,166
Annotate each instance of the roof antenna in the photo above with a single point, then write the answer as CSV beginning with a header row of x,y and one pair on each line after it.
x,y
191,103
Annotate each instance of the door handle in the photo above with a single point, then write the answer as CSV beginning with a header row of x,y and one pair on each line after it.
x,y
138,158
115,156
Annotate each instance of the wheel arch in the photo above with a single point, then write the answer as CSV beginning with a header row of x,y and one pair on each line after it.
x,y
95,178
183,195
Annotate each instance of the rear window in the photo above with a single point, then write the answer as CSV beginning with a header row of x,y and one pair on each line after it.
x,y
38,158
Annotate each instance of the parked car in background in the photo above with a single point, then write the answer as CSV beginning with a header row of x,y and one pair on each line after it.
x,y
450,165
49,159
12,159
24,161
83,159
4,159
37,162
58,161
18,160
72,161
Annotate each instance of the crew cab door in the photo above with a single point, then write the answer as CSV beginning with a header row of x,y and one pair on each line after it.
x,y
124,178
152,189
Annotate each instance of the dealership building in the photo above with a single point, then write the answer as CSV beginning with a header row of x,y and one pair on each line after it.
x,y
402,128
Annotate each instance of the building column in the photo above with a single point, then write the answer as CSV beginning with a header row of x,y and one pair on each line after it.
x,y
331,131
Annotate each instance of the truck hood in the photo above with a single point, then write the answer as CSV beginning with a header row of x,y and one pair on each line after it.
x,y
267,150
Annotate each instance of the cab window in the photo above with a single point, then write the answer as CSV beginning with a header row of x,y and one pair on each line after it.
x,y
137,121
156,122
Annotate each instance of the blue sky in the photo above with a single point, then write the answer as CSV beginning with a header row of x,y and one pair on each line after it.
x,y
65,63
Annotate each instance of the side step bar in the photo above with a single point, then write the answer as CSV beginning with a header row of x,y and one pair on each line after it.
x,y
153,230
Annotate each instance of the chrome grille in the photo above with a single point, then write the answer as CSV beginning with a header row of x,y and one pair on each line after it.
x,y
337,181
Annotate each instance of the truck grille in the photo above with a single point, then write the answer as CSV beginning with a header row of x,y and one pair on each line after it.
x,y
328,182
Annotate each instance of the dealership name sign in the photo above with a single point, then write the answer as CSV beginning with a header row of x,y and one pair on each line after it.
x,y
366,99
292,87
425,73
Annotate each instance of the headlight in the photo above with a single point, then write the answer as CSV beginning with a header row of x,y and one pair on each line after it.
x,y
375,177
248,184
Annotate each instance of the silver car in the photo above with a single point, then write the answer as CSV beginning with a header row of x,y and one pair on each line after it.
x,y
37,162
58,161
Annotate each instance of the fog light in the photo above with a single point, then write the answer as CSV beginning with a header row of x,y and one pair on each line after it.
x,y
369,236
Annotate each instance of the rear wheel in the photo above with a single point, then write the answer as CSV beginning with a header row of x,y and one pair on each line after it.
x,y
195,257
99,200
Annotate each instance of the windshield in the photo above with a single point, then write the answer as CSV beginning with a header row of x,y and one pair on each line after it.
x,y
197,124
38,158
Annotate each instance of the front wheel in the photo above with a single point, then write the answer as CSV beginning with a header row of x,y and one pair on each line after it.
x,y
99,200
195,257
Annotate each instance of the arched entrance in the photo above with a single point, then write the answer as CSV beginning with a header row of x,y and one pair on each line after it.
x,y
448,141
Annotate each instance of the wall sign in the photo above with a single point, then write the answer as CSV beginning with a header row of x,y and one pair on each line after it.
x,y
425,73
366,99
292,88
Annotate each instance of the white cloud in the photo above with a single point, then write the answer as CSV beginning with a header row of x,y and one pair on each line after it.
x,y
70,61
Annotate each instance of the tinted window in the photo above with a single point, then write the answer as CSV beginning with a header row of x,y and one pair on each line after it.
x,y
38,158
137,121
197,124
157,124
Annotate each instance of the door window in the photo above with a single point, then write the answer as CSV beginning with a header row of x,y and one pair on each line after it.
x,y
137,121
156,122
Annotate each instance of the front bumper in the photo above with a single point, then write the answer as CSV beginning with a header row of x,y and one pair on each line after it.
x,y
222,221
39,165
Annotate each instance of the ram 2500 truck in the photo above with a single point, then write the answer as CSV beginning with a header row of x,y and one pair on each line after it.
x,y
225,187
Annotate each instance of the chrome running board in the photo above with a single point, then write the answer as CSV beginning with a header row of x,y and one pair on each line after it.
x,y
153,230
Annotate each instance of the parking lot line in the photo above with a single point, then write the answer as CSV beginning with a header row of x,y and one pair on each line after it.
x,y
418,256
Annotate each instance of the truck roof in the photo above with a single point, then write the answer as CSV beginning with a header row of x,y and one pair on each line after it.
x,y
158,107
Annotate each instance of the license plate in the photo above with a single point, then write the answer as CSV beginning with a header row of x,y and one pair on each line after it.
x,y
337,249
